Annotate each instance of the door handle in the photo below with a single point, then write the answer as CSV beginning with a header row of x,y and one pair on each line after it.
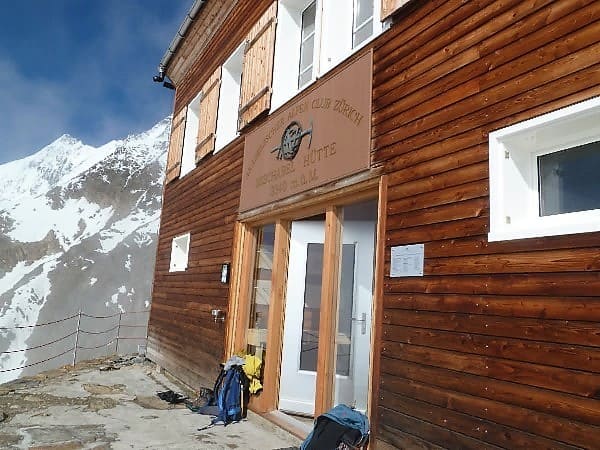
x,y
363,325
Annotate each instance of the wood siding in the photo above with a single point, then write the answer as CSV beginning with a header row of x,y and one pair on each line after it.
x,y
498,345
182,335
225,40
389,7
198,37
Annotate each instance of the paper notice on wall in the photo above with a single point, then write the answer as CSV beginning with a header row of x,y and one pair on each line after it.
x,y
407,261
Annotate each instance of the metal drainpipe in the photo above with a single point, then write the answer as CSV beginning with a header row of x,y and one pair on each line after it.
x,y
189,18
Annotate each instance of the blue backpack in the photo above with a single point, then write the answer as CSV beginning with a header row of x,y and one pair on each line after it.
x,y
339,428
232,392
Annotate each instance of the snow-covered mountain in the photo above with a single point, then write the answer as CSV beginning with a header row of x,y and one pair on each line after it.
x,y
78,229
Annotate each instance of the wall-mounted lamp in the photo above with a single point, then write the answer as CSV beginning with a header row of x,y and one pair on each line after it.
x,y
217,315
225,273
160,78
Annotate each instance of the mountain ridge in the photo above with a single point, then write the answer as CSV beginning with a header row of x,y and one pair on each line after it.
x,y
78,229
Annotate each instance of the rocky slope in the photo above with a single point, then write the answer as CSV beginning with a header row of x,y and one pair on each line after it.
x,y
78,228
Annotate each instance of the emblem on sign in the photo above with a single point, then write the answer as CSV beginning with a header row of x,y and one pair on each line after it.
x,y
291,139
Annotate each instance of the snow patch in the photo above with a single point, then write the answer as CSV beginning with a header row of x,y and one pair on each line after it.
x,y
31,187
24,309
34,219
139,222
53,165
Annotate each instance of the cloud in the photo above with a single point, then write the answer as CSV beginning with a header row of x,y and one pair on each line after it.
x,y
100,85
33,112
131,40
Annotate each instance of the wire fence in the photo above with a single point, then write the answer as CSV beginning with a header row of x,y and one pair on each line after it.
x,y
78,332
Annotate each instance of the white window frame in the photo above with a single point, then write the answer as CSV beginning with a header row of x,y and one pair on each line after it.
x,y
188,155
334,25
229,99
303,39
514,190
180,248
357,27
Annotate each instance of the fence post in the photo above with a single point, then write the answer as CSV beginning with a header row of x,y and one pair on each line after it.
x,y
146,339
118,332
77,337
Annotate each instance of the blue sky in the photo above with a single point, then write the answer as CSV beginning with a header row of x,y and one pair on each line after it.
x,y
82,67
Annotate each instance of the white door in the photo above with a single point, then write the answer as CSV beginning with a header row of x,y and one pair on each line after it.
x,y
354,314
301,325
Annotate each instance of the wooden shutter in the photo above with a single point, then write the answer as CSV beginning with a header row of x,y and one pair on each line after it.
x,y
257,74
207,126
389,7
176,145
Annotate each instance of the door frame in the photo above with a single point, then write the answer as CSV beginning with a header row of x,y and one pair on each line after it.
x,y
282,214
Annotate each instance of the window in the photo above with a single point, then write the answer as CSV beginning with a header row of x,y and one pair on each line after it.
x,y
188,162
200,125
362,29
261,292
314,36
229,99
307,44
544,174
179,253
568,180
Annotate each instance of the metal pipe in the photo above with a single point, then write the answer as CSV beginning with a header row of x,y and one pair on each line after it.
x,y
180,35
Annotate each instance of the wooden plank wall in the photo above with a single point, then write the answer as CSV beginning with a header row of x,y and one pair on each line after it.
x,y
225,40
182,336
498,345
198,36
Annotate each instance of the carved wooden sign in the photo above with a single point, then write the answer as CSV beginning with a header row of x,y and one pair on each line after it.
x,y
322,136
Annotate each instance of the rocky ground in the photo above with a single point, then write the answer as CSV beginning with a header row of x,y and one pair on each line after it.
x,y
105,405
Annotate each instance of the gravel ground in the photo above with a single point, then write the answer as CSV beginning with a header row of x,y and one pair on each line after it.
x,y
83,407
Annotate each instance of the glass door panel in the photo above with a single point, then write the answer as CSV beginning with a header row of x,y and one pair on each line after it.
x,y
344,336
256,335
312,307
